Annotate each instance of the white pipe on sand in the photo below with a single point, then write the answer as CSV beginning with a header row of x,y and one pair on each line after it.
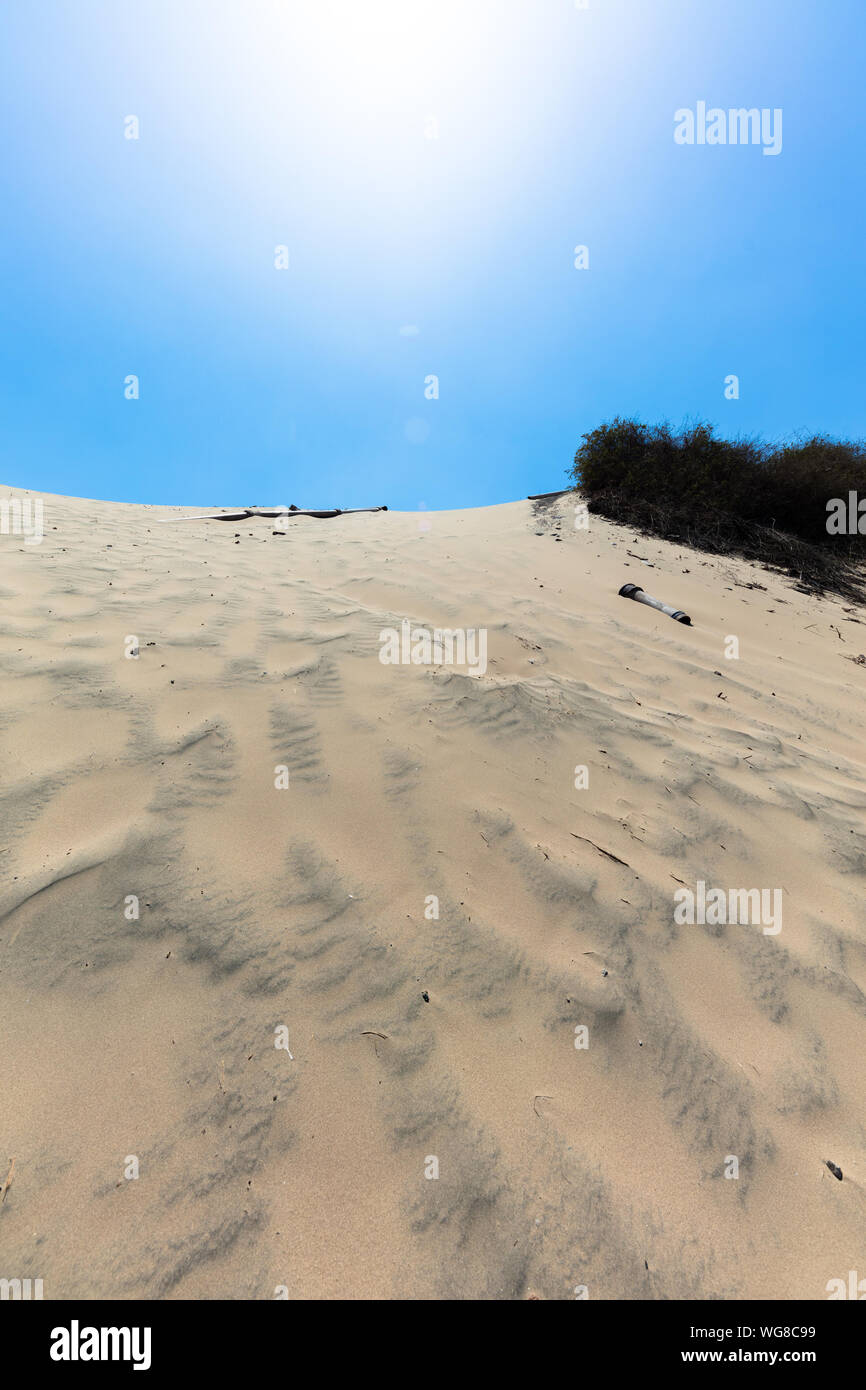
x,y
636,592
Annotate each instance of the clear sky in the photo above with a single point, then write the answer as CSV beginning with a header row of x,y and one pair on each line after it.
x,y
430,168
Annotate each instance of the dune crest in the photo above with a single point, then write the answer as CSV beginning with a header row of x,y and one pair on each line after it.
x,y
505,1070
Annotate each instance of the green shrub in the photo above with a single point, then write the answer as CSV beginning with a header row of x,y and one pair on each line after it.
x,y
730,496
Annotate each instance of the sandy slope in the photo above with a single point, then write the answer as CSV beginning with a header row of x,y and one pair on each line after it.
x,y
306,908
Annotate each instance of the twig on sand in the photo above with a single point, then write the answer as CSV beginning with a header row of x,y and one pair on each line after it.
x,y
8,1183
605,852
371,1033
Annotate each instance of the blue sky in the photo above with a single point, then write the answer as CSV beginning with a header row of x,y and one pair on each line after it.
x,y
308,125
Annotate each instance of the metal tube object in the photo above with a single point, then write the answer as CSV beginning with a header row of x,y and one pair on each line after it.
x,y
636,592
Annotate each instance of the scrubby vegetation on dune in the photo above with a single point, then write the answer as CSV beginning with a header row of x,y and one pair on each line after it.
x,y
739,497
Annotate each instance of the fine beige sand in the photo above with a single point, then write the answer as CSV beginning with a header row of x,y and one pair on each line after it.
x,y
561,1168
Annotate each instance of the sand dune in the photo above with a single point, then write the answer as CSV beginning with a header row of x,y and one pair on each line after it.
x,y
413,1037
